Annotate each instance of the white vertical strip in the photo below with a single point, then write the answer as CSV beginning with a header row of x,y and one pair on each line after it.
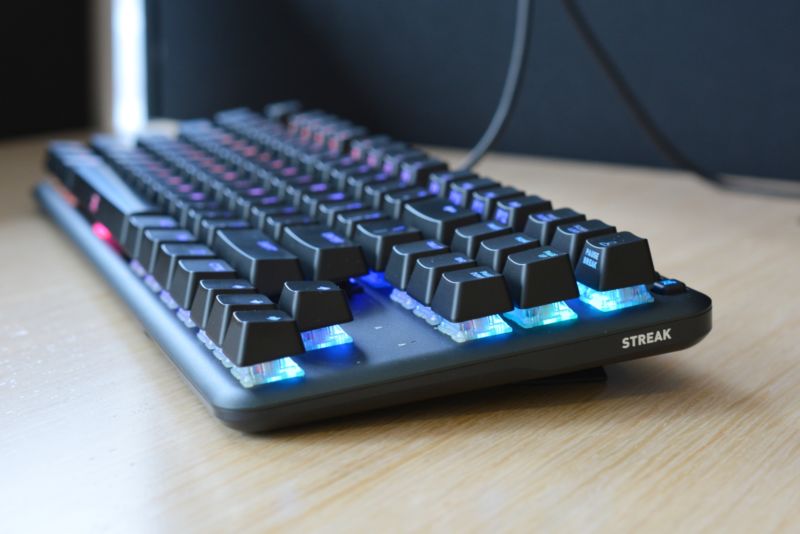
x,y
128,66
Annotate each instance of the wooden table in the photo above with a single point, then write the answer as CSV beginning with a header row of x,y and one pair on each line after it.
x,y
100,432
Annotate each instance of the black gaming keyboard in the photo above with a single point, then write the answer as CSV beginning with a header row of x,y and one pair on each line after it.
x,y
295,267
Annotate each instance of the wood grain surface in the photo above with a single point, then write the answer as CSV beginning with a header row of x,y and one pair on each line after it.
x,y
99,431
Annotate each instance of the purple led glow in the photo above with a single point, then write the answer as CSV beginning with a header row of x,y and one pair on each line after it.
x,y
332,238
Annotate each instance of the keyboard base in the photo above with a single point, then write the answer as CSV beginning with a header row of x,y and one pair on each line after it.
x,y
367,378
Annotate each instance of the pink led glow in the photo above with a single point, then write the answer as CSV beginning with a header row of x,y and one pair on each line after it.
x,y
94,203
102,232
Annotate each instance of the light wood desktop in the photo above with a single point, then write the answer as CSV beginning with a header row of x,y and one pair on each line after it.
x,y
99,431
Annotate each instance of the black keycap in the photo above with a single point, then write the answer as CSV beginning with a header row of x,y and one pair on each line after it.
x,y
514,212
543,225
467,239
327,211
294,193
207,291
258,258
281,111
485,201
467,294
223,307
105,196
324,254
274,225
153,238
377,154
418,172
668,286
439,183
429,270
190,272
359,147
377,238
494,252
311,201
374,193
347,222
195,218
357,184
614,261
245,205
260,336
539,276
461,192
437,219
315,304
404,257
169,254
339,177
210,227
392,162
570,238
395,201
259,215
136,226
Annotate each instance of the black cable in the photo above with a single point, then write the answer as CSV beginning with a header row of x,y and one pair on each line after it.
x,y
659,138
508,97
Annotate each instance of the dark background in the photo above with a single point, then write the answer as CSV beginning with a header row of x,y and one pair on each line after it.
x,y
722,79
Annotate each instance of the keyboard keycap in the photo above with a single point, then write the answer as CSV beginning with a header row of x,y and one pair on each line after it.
x,y
570,238
324,254
467,294
274,225
347,222
377,238
494,252
418,172
395,201
461,191
437,219
315,304
543,225
439,183
514,212
207,291
429,270
169,254
404,257
188,275
105,196
539,276
615,261
223,307
209,228
485,201
152,240
258,258
260,336
136,226
468,239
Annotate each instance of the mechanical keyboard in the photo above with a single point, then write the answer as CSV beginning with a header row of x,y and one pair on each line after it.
x,y
296,267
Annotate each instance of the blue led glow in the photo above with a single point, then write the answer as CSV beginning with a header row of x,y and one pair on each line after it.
x,y
375,280
428,315
267,372
492,325
615,299
403,299
555,312
327,336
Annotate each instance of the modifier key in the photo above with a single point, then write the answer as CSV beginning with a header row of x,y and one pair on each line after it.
x,y
404,257
207,292
377,238
428,272
259,258
324,254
